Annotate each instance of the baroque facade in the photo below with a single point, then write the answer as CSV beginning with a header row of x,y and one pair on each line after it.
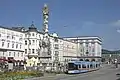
x,y
11,44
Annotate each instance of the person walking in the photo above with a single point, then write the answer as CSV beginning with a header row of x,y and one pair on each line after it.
x,y
116,63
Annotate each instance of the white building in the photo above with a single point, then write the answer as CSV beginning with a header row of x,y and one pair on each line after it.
x,y
27,45
11,44
89,47
62,50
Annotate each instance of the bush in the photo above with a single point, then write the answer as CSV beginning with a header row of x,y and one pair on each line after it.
x,y
20,75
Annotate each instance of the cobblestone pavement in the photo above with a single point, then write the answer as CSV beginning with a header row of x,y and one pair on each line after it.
x,y
108,72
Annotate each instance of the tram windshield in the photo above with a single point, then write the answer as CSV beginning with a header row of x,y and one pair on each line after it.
x,y
72,66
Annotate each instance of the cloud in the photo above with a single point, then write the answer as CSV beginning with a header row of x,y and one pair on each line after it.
x,y
116,23
113,24
109,32
118,30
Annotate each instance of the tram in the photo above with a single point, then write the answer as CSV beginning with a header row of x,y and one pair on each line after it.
x,y
76,67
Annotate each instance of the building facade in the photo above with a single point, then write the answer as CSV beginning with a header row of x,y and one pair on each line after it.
x,y
62,50
89,47
11,44
46,50
32,41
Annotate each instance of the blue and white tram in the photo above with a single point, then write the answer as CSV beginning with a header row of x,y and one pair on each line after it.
x,y
75,67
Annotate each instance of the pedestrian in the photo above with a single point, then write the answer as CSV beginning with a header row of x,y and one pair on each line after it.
x,y
116,63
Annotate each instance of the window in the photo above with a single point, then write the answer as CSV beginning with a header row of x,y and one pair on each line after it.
x,y
29,34
21,35
56,53
20,46
18,54
29,50
25,35
81,43
56,39
33,34
16,45
81,50
8,37
33,50
3,53
93,49
25,51
14,54
33,41
29,42
8,45
9,53
13,45
25,42
2,44
12,37
20,39
56,46
86,44
21,54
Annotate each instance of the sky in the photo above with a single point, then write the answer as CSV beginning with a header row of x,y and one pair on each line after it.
x,y
67,17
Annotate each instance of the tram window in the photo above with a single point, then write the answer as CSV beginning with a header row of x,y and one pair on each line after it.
x,y
83,66
87,66
91,65
70,66
96,65
79,66
76,67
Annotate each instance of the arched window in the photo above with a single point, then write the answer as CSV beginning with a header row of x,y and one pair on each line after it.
x,y
81,59
93,60
87,60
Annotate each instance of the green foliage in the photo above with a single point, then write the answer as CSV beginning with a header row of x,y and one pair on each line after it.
x,y
19,75
104,51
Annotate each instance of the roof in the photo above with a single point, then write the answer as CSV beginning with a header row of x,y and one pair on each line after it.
x,y
82,62
84,37
79,36
62,39
12,28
